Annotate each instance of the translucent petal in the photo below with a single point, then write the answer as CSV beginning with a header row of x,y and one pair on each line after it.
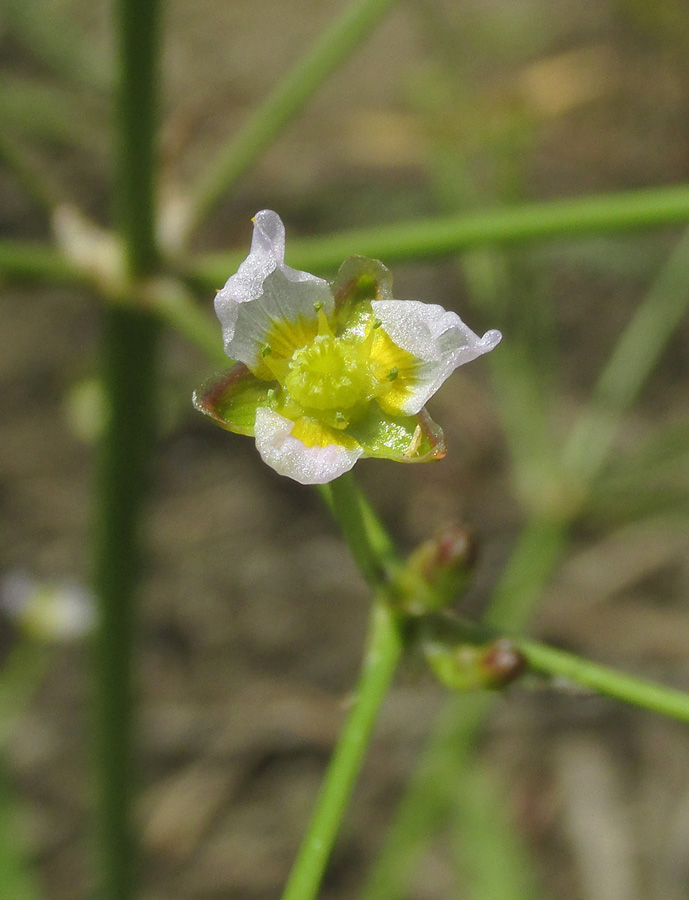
x,y
438,339
290,456
274,292
283,318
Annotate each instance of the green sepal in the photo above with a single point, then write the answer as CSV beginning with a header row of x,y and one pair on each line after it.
x,y
438,572
459,657
231,400
401,438
359,280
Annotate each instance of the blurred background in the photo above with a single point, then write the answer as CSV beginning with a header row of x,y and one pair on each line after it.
x,y
253,615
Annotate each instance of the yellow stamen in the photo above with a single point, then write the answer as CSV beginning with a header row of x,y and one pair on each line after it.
x,y
415,442
324,329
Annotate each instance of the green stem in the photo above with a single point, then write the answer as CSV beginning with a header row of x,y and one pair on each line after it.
x,y
382,656
639,692
427,804
367,539
28,263
137,126
373,552
444,633
446,235
288,98
129,368
534,558
178,309
128,373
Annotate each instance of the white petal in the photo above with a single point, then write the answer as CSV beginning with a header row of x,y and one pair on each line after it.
x,y
264,291
290,457
438,338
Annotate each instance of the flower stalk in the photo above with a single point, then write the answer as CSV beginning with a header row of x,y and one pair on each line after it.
x,y
383,653
374,554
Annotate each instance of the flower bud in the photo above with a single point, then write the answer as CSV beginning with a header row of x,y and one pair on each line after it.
x,y
467,667
438,571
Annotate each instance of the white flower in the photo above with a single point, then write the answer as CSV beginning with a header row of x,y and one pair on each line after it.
x,y
326,374
55,612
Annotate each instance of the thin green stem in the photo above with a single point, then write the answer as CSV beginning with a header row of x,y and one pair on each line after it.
x,y
490,852
28,263
137,125
382,656
531,565
129,368
446,235
373,552
177,308
60,43
449,632
639,692
367,539
288,98
128,374
534,558
427,803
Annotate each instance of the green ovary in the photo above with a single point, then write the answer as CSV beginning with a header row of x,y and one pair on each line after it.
x,y
332,374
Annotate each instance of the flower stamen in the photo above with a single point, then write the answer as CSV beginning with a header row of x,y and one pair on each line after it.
x,y
415,442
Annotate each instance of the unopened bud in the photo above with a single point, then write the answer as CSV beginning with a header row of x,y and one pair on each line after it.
x,y
469,667
438,570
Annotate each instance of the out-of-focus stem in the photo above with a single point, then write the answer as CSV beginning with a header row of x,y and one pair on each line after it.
x,y
129,368
31,176
28,263
291,94
446,235
636,354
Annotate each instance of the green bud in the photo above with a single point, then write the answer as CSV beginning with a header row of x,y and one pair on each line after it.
x,y
465,667
438,571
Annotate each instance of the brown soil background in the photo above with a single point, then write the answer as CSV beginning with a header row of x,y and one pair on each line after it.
x,y
252,613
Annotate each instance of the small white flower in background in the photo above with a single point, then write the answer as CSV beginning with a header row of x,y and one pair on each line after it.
x,y
327,374
47,611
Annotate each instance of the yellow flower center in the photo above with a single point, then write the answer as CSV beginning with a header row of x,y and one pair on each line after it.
x,y
331,374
